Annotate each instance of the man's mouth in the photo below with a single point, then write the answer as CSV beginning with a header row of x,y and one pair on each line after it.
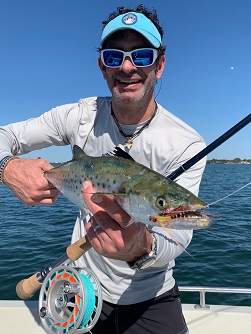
x,y
128,81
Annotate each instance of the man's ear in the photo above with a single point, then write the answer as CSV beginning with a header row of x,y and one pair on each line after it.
x,y
160,66
102,67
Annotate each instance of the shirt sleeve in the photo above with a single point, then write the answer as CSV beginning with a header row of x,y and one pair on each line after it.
x,y
51,128
191,178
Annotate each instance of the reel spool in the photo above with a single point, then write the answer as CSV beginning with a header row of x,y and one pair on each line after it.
x,y
70,300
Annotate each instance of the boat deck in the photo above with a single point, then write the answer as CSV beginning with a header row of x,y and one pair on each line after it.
x,y
22,316
218,319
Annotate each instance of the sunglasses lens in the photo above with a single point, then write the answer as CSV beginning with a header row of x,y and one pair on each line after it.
x,y
143,57
139,57
112,58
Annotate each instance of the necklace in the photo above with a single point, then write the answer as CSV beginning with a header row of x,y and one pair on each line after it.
x,y
129,138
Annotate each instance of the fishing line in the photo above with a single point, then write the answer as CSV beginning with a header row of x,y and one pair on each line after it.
x,y
237,127
90,301
236,191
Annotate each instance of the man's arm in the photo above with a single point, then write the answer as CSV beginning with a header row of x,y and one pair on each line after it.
x,y
26,176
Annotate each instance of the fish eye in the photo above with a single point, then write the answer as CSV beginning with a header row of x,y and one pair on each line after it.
x,y
161,202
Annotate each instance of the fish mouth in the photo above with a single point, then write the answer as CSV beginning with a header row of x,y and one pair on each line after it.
x,y
185,218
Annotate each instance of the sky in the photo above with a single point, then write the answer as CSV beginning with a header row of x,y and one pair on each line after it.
x,y
48,58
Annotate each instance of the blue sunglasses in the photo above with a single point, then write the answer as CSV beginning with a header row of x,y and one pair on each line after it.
x,y
140,57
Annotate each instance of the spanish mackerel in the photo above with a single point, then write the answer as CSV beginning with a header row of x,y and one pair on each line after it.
x,y
147,196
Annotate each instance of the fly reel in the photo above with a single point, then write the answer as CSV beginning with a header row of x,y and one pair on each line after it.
x,y
70,300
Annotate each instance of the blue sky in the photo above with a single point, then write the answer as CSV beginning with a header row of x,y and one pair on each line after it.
x,y
48,57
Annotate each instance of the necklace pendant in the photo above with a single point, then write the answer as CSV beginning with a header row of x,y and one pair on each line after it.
x,y
129,142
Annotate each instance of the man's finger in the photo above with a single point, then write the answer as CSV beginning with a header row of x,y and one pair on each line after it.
x,y
95,201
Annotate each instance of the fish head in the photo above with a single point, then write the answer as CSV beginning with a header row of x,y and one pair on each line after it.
x,y
167,204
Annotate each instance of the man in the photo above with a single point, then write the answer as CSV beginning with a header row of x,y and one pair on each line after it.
x,y
133,263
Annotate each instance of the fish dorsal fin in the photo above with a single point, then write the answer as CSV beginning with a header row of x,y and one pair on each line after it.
x,y
77,152
118,152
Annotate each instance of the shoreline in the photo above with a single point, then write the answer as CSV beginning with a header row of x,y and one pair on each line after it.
x,y
236,161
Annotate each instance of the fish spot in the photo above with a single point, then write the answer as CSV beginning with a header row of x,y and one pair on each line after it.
x,y
103,185
114,181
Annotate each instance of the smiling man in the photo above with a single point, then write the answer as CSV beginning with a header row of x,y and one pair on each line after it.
x,y
132,60
133,263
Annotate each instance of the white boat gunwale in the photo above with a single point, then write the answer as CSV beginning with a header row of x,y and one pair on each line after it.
x,y
22,317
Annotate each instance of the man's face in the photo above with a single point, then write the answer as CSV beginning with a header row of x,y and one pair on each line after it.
x,y
129,83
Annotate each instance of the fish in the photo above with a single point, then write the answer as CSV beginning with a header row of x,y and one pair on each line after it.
x,y
147,196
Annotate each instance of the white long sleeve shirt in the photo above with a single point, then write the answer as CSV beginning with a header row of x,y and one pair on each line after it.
x,y
163,146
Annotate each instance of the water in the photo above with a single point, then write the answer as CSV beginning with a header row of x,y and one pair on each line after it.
x,y
31,238
223,252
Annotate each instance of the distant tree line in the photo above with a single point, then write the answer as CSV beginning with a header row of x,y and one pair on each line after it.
x,y
226,161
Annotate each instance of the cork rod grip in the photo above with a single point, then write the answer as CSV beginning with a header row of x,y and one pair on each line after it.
x,y
26,288
77,249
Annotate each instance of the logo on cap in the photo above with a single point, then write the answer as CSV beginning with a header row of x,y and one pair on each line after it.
x,y
129,19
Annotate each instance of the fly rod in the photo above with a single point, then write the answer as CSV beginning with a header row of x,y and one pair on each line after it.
x,y
210,147
27,287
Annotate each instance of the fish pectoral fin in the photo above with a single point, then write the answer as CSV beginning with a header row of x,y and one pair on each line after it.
x,y
131,221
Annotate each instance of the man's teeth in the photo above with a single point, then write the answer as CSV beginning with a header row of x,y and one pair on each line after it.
x,y
129,81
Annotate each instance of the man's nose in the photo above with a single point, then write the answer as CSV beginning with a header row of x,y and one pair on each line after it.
x,y
127,65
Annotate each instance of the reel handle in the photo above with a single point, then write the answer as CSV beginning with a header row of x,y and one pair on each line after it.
x,y
26,288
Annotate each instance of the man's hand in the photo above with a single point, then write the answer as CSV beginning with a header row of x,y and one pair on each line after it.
x,y
26,179
114,238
